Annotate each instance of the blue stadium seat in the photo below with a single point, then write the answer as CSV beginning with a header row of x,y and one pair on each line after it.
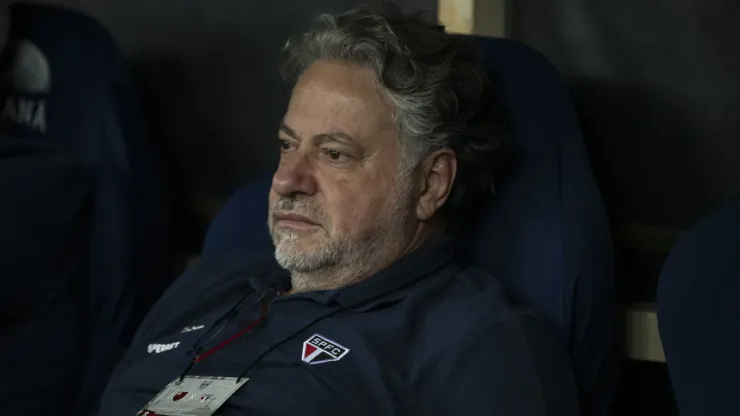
x,y
544,233
90,244
699,314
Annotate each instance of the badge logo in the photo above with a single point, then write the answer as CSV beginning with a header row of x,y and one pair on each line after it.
x,y
205,397
319,349
179,396
204,384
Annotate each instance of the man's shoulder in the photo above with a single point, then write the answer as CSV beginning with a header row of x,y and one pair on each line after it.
x,y
489,354
474,305
476,297
213,279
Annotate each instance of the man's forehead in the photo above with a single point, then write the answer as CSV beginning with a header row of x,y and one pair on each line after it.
x,y
336,97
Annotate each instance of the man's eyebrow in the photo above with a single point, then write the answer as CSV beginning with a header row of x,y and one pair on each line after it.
x,y
287,130
336,136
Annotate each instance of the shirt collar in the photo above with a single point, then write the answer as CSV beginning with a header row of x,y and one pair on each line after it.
x,y
423,261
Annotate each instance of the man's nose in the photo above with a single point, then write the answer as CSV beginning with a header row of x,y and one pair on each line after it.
x,y
293,176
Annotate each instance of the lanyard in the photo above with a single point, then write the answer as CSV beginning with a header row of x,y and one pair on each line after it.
x,y
201,355
264,302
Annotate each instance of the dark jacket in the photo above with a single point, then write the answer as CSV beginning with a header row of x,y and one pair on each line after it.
x,y
421,337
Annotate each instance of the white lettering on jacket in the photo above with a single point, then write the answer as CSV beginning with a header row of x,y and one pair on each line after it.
x,y
157,348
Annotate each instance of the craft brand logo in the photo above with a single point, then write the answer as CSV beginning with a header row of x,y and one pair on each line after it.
x,y
157,348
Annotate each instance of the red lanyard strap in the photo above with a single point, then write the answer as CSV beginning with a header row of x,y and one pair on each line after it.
x,y
263,314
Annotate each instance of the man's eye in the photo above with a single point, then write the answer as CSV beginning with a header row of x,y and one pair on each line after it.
x,y
335,156
285,145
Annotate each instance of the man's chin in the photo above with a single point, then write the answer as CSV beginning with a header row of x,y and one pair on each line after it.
x,y
298,257
297,245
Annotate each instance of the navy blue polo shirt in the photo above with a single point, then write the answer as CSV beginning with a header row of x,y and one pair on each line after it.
x,y
424,336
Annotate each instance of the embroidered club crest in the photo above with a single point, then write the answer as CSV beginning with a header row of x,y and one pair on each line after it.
x,y
319,349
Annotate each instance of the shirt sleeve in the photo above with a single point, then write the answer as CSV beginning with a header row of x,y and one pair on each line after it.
x,y
504,368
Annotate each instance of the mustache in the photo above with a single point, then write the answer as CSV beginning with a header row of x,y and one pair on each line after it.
x,y
292,205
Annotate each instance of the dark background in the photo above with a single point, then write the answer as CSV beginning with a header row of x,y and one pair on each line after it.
x,y
657,85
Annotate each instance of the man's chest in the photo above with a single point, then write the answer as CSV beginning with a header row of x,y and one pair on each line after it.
x,y
309,361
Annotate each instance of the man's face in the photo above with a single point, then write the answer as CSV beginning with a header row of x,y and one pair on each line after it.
x,y
338,197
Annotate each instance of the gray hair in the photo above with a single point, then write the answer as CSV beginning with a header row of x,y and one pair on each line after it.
x,y
437,86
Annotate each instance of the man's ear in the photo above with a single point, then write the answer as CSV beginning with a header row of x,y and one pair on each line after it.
x,y
439,170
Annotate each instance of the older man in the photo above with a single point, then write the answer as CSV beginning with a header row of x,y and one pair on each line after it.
x,y
362,310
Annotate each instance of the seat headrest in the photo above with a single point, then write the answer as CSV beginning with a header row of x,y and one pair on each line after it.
x,y
698,312
546,227
544,233
60,87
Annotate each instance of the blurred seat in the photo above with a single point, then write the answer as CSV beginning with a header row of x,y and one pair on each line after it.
x,y
90,249
699,314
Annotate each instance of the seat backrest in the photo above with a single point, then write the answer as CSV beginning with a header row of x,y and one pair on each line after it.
x,y
544,233
699,314
66,90
41,253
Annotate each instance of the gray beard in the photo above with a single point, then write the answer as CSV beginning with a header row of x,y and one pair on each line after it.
x,y
346,259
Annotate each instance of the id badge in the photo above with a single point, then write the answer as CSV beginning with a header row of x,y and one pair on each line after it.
x,y
192,396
